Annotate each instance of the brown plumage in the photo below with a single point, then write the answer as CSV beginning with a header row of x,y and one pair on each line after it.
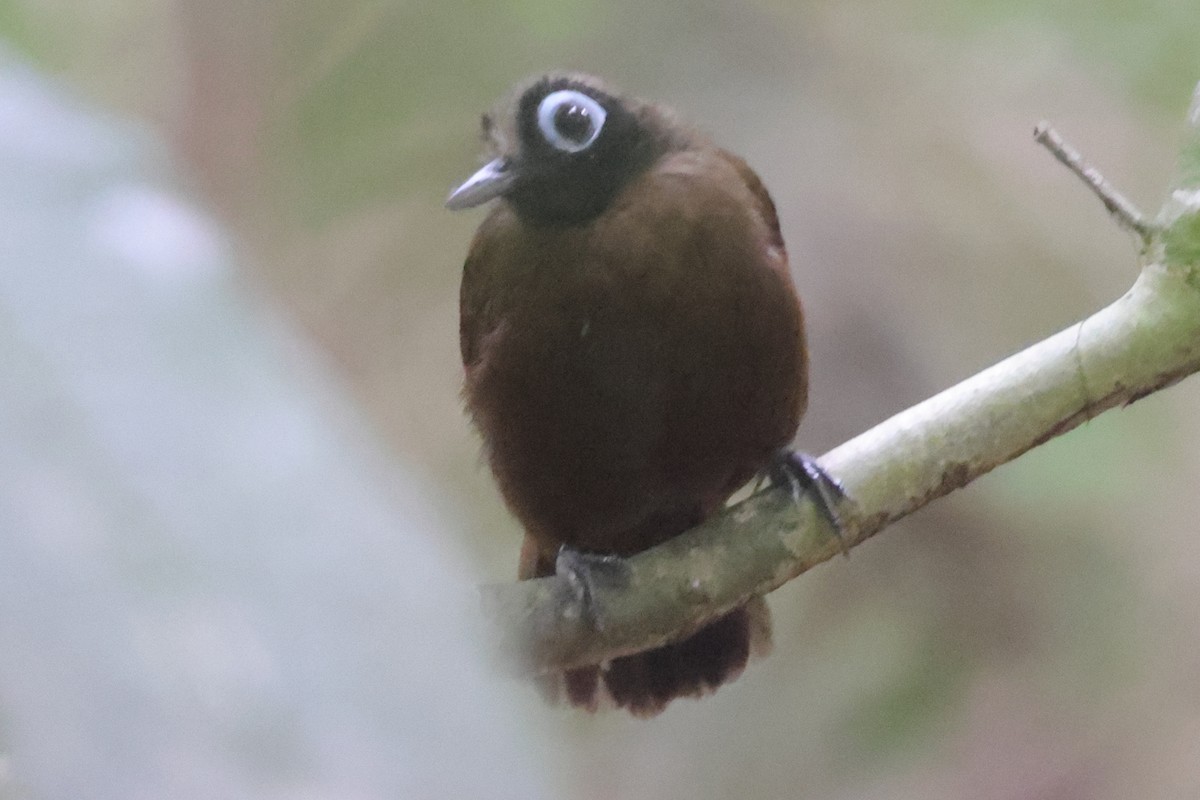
x,y
633,347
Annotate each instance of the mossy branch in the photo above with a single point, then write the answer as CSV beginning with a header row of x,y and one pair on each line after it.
x,y
1146,340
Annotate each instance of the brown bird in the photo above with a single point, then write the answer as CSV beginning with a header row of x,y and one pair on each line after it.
x,y
634,351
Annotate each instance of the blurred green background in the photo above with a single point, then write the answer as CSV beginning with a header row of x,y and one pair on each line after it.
x,y
1036,635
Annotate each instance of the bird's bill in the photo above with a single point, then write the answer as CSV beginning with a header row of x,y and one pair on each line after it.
x,y
492,180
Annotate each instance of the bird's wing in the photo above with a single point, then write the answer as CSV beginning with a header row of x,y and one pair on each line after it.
x,y
766,204
477,296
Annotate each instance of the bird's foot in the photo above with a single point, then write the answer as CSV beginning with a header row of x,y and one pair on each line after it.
x,y
583,572
801,474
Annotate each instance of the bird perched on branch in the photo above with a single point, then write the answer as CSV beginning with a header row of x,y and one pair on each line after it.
x,y
634,353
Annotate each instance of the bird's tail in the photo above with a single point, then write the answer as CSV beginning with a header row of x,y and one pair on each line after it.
x,y
644,683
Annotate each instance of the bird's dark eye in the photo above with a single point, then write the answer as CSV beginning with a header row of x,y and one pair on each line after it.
x,y
569,120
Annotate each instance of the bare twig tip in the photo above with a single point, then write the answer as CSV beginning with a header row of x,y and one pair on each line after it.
x,y
1124,211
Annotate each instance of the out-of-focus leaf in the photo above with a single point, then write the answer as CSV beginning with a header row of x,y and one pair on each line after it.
x,y
211,582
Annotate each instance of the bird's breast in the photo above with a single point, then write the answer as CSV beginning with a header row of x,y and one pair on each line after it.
x,y
627,371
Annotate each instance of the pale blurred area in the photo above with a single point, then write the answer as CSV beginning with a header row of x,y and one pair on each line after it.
x,y
241,512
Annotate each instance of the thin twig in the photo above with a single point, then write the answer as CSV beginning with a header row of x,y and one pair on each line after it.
x,y
1122,209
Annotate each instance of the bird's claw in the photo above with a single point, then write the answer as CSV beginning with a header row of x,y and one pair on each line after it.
x,y
800,474
583,572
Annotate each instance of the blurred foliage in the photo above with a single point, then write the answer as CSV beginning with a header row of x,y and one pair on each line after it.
x,y
1151,46
897,720
197,538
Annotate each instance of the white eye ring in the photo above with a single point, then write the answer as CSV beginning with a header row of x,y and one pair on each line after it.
x,y
569,141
